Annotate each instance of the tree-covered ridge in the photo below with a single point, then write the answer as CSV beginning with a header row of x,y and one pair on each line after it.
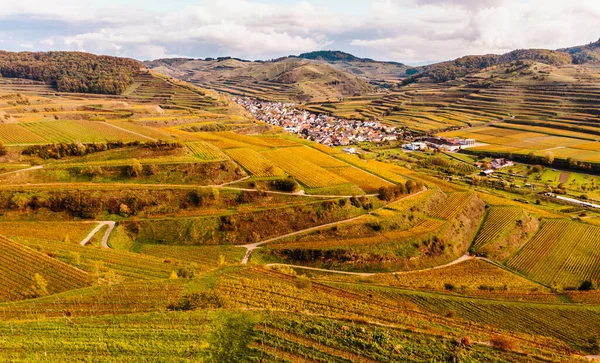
x,y
71,71
589,53
446,71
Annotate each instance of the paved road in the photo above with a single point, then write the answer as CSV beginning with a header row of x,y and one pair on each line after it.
x,y
111,226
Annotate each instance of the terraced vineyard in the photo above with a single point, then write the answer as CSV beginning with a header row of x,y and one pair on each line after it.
x,y
306,172
497,221
390,172
563,253
365,181
206,151
131,266
452,205
11,134
19,266
255,163
568,323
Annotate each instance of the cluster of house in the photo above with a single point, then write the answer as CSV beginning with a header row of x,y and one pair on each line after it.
x,y
326,130
441,143
494,165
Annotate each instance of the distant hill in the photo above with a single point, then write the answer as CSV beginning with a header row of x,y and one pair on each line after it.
x,y
292,79
583,54
446,71
71,71
332,56
366,68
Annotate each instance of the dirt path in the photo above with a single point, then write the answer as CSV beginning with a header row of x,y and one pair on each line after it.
x,y
111,226
593,357
252,246
366,274
100,186
131,132
23,170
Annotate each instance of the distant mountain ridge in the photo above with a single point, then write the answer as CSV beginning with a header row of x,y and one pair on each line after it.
x,y
589,53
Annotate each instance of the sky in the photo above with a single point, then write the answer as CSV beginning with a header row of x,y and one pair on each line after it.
x,y
413,32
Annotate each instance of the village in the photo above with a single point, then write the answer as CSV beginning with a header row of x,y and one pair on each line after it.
x,y
326,130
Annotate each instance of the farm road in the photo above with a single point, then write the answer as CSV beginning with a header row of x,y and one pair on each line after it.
x,y
252,246
367,274
23,170
111,226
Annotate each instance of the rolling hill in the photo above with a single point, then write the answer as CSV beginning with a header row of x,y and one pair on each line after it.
x,y
289,79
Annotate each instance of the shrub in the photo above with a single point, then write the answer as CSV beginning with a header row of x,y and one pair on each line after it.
x,y
40,286
200,300
135,169
2,149
286,185
185,273
587,285
503,343
449,287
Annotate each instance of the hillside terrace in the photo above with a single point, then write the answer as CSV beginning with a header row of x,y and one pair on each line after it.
x,y
326,130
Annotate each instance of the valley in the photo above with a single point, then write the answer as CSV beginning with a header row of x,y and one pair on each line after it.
x,y
225,210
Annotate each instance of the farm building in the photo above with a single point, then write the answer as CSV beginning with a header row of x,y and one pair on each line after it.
x,y
415,146
443,143
501,163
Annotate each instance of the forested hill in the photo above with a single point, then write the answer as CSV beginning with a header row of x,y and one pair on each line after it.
x,y
71,71
445,71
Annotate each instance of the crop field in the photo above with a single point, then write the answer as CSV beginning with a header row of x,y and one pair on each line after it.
x,y
497,221
15,134
365,181
131,266
563,253
317,157
84,131
62,131
387,305
107,338
470,274
411,201
422,228
306,172
205,151
53,231
570,324
449,208
390,172
205,256
19,265
125,298
255,163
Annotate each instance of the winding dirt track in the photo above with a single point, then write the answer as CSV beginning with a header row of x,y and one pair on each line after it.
x,y
252,246
111,226
23,170
457,261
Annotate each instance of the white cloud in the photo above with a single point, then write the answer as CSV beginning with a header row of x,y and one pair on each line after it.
x,y
411,31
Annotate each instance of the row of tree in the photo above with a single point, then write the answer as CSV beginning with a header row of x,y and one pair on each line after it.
x,y
59,151
71,71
